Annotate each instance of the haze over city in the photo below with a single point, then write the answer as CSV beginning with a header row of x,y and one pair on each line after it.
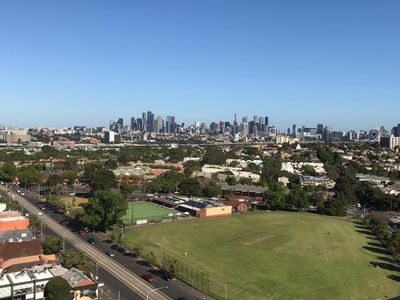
x,y
84,63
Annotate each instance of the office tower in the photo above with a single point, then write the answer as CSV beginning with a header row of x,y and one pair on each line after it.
x,y
109,137
139,124
133,124
266,122
294,130
255,119
288,132
120,122
172,124
327,134
150,121
320,128
144,122
159,125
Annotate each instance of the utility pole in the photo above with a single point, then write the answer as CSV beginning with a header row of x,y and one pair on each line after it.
x,y
226,290
161,256
63,244
119,294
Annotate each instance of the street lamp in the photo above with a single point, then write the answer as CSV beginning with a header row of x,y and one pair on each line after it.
x,y
153,290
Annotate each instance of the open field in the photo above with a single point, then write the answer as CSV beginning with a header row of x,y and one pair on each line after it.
x,y
278,255
145,210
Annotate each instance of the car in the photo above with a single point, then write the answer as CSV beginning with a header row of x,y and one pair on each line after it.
x,y
166,276
91,241
22,193
148,277
110,253
107,241
115,247
81,232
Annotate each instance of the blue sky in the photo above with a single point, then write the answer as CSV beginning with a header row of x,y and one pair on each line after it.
x,y
65,63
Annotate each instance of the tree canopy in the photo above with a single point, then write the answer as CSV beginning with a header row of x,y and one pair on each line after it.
x,y
105,210
58,289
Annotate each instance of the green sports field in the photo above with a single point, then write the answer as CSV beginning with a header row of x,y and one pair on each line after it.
x,y
278,255
145,210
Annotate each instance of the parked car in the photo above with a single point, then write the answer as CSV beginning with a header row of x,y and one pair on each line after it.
x,y
166,275
148,277
108,241
115,247
91,241
110,253
81,232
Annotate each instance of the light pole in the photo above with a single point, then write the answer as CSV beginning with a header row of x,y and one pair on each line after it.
x,y
153,290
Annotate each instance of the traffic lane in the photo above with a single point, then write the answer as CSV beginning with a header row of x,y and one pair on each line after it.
x,y
111,286
123,274
176,289
141,267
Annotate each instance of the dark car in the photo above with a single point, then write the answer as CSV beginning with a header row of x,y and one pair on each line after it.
x,y
91,241
148,277
110,253
115,247
166,276
108,241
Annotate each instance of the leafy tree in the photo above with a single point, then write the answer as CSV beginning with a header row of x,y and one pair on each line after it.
x,y
58,289
297,197
334,207
8,171
331,172
214,156
245,180
309,170
126,189
52,245
78,260
105,210
230,180
190,187
29,175
111,164
275,196
191,166
271,170
210,190
167,182
347,187
103,179
54,180
123,158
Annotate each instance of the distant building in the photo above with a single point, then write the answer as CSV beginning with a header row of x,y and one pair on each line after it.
x,y
14,135
109,137
317,181
390,142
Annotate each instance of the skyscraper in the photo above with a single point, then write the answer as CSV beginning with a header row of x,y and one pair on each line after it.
x,y
266,122
320,128
294,130
150,121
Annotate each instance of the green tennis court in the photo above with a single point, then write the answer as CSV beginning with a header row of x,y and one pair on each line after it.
x,y
146,210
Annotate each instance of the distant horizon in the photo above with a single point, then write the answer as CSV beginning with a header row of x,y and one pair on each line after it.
x,y
301,62
127,121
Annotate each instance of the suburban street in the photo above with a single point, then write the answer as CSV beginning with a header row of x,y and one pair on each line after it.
x,y
122,269
131,280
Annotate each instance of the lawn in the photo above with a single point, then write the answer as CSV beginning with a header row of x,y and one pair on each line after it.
x,y
278,255
145,210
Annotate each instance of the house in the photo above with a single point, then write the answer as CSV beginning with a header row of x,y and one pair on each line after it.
x,y
243,191
317,181
240,205
15,257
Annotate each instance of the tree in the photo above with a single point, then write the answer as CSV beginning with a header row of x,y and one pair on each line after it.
x,y
123,158
275,196
245,180
309,170
230,180
111,164
52,245
271,170
8,171
55,180
214,156
190,187
103,179
346,186
334,207
78,260
210,190
191,166
126,189
297,197
105,210
57,288
29,175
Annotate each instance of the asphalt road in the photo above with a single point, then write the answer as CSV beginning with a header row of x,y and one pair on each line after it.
x,y
120,272
176,289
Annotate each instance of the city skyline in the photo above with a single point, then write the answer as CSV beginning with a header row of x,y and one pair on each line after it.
x,y
81,63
